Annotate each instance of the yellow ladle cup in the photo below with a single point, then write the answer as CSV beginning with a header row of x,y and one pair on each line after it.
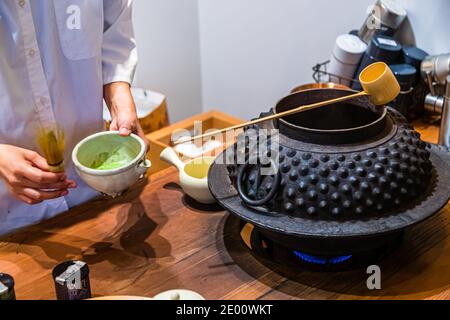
x,y
379,83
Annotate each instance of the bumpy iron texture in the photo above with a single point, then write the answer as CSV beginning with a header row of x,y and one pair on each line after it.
x,y
318,183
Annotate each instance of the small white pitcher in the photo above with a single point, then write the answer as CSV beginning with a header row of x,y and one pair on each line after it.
x,y
193,175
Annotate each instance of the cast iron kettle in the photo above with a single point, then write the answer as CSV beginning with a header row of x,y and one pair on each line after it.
x,y
345,170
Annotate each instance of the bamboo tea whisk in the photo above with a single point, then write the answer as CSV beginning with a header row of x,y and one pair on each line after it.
x,y
51,142
377,80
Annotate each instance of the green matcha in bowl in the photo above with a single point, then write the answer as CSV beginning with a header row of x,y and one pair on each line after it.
x,y
110,163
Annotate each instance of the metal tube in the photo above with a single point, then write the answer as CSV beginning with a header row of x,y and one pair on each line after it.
x,y
444,133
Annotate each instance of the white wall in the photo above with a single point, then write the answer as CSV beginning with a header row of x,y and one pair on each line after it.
x,y
169,55
430,21
242,56
255,51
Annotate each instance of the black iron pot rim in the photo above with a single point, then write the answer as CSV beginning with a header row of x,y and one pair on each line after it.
x,y
381,117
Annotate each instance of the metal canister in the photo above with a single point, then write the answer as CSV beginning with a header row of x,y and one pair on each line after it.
x,y
7,287
385,18
72,280
347,53
382,48
414,56
406,77
354,32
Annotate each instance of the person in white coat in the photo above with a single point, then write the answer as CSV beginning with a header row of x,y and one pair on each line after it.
x,y
58,60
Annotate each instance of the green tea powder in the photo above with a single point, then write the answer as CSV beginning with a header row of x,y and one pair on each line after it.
x,y
111,160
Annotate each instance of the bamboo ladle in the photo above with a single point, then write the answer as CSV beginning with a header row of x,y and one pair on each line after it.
x,y
377,80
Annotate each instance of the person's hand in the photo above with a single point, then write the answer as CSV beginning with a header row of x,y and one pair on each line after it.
x,y
27,177
121,105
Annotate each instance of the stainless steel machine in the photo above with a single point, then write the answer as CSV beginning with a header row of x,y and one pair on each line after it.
x,y
436,72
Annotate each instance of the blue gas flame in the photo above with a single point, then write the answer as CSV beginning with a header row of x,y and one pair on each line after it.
x,y
320,260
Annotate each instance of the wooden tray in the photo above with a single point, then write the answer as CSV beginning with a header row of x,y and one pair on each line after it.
x,y
161,139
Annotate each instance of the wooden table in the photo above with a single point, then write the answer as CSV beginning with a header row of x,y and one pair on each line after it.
x,y
154,239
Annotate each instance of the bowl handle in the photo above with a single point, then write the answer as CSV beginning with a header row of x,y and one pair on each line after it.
x,y
143,166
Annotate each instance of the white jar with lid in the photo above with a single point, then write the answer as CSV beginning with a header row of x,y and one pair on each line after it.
x,y
347,53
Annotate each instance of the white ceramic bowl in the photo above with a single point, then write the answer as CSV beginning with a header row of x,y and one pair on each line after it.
x,y
178,294
112,182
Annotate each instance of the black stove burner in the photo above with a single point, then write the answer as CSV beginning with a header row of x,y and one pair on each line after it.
x,y
269,249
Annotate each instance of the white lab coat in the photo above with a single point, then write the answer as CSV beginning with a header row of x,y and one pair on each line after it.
x,y
55,57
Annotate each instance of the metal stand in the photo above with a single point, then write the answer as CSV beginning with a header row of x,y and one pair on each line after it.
x,y
320,74
441,105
